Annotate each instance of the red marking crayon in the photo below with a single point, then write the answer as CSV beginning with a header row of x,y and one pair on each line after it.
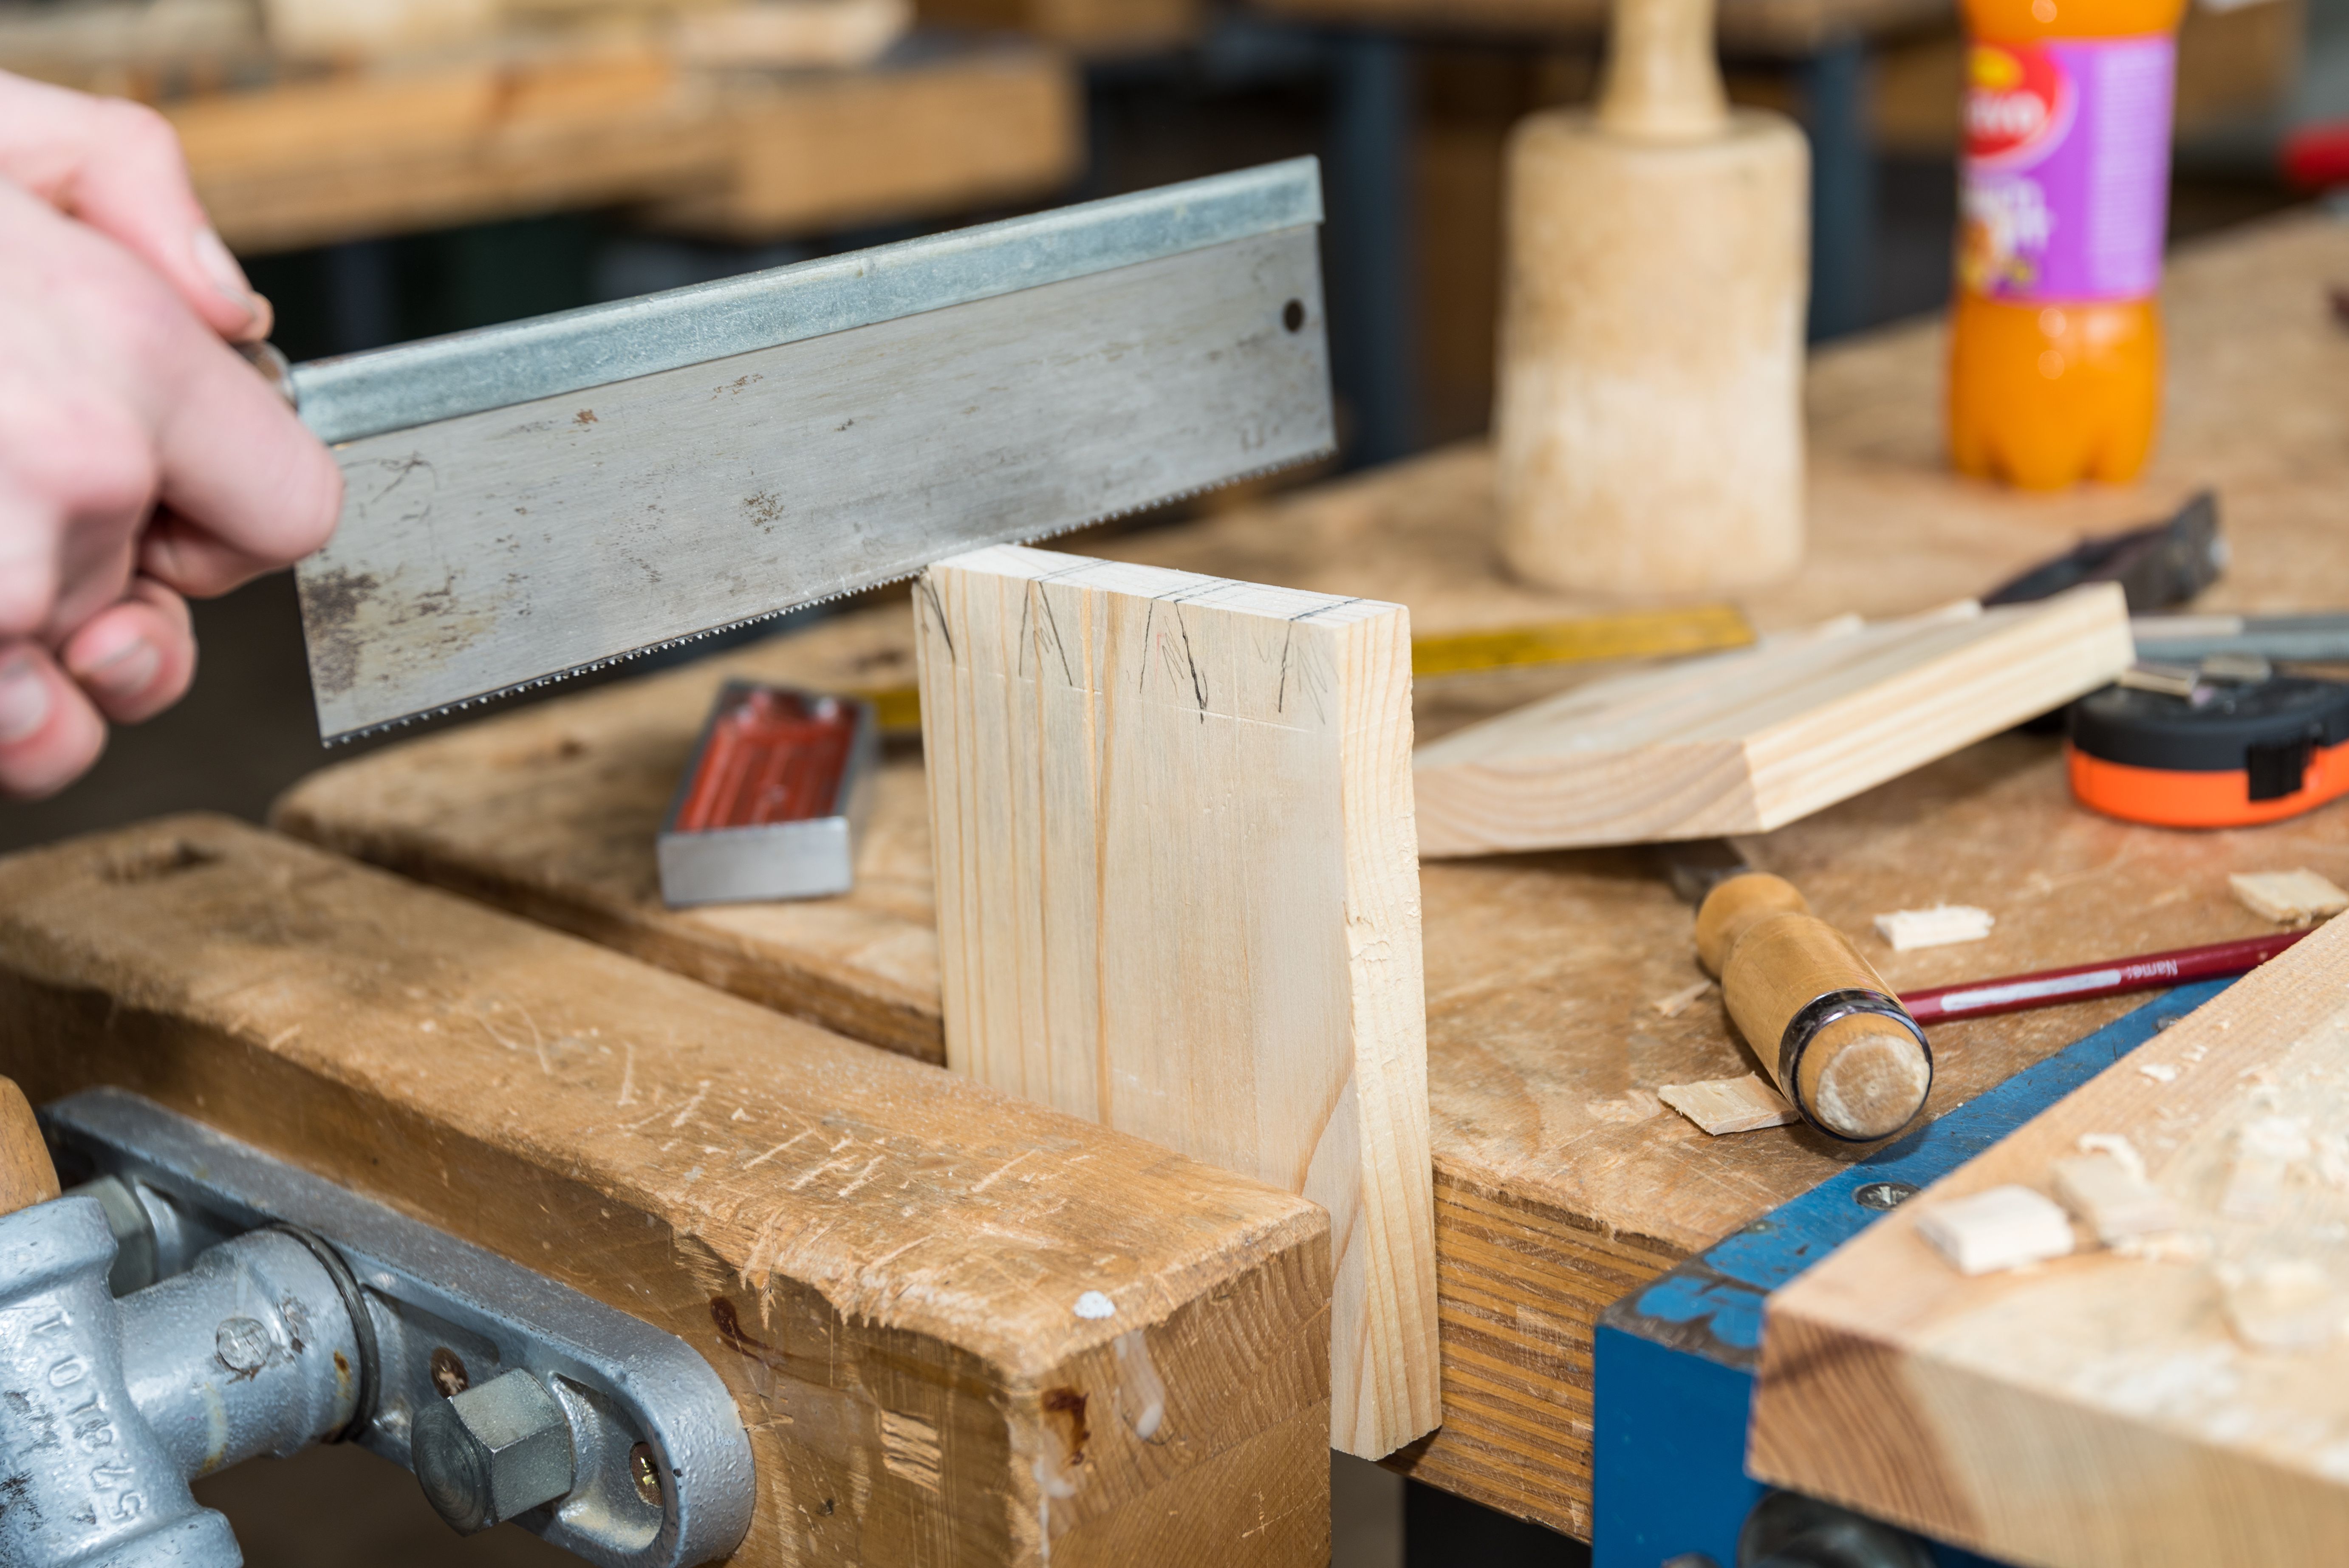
x,y
2083,982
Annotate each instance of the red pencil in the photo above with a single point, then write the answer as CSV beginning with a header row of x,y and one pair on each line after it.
x,y
2147,972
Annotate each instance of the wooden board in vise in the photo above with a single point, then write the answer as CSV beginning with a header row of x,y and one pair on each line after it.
x,y
883,1261
1177,894
1560,1182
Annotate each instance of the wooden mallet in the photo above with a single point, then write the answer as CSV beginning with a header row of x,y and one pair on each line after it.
x,y
1844,1051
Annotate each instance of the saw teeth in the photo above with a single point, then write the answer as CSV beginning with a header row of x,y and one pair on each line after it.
x,y
555,677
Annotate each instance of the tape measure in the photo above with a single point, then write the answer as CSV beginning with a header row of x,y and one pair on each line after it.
x,y
2210,753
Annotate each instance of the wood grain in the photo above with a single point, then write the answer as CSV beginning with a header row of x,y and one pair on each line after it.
x,y
26,1176
957,131
1557,1172
516,131
882,1260
1177,894
305,163
2099,1410
1746,741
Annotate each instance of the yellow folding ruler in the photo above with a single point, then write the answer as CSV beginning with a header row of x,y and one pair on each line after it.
x,y
1638,635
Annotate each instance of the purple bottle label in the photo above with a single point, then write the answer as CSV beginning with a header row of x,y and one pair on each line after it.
x,y
2064,183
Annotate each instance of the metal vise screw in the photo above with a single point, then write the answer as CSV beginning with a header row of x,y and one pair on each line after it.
x,y
108,1408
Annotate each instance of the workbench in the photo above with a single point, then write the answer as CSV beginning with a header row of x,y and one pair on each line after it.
x,y
512,128
1561,1182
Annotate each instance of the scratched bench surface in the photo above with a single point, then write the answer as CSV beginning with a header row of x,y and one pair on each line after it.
x,y
1561,1180
959,1328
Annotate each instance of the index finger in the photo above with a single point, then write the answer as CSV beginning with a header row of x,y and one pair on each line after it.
x,y
244,486
117,167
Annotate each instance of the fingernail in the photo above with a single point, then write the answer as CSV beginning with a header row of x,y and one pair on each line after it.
x,y
126,672
24,699
213,256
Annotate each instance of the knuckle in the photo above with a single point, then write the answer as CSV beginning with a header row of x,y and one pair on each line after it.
x,y
99,463
138,129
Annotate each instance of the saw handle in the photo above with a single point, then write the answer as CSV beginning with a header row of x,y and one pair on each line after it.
x,y
1825,1026
26,1176
275,369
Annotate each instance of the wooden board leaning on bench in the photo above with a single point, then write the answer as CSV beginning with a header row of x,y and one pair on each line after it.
x,y
1560,1182
883,1261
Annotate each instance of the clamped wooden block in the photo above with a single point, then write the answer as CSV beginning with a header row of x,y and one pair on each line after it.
x,y
1828,1029
1178,893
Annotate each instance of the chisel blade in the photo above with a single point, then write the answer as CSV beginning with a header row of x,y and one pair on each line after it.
x,y
530,501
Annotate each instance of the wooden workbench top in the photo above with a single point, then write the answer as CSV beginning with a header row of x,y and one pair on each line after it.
x,y
936,128
961,1329
1561,1181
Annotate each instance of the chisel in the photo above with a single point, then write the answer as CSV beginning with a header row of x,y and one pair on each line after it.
x,y
1827,1029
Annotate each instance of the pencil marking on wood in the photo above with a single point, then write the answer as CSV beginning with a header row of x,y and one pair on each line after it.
x,y
1243,879
1198,677
1053,620
937,618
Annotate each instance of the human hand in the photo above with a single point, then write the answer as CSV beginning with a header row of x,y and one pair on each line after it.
x,y
141,459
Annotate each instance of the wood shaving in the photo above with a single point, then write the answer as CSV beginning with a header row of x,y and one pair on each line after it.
x,y
1730,1105
2111,1199
2004,1228
2288,1306
2159,1072
2299,897
1944,924
1680,1001
2266,1150
2166,1247
2119,1147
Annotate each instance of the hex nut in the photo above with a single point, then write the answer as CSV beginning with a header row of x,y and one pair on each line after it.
x,y
493,1452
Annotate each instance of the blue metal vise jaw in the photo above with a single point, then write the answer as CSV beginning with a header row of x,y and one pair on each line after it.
x,y
1675,1361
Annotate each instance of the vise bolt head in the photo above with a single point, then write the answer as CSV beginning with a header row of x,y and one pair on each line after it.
x,y
493,1452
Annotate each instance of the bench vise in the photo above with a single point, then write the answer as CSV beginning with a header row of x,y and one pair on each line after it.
x,y
196,1303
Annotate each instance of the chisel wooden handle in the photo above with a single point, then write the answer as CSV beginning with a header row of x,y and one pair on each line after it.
x,y
1831,1032
26,1177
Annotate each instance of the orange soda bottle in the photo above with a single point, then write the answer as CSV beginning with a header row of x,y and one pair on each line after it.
x,y
2055,340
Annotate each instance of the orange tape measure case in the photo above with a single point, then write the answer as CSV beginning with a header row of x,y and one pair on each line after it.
x,y
2228,757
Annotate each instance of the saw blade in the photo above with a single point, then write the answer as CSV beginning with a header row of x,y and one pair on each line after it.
x,y
606,483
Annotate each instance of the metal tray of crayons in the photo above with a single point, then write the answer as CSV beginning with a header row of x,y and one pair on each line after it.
x,y
773,801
